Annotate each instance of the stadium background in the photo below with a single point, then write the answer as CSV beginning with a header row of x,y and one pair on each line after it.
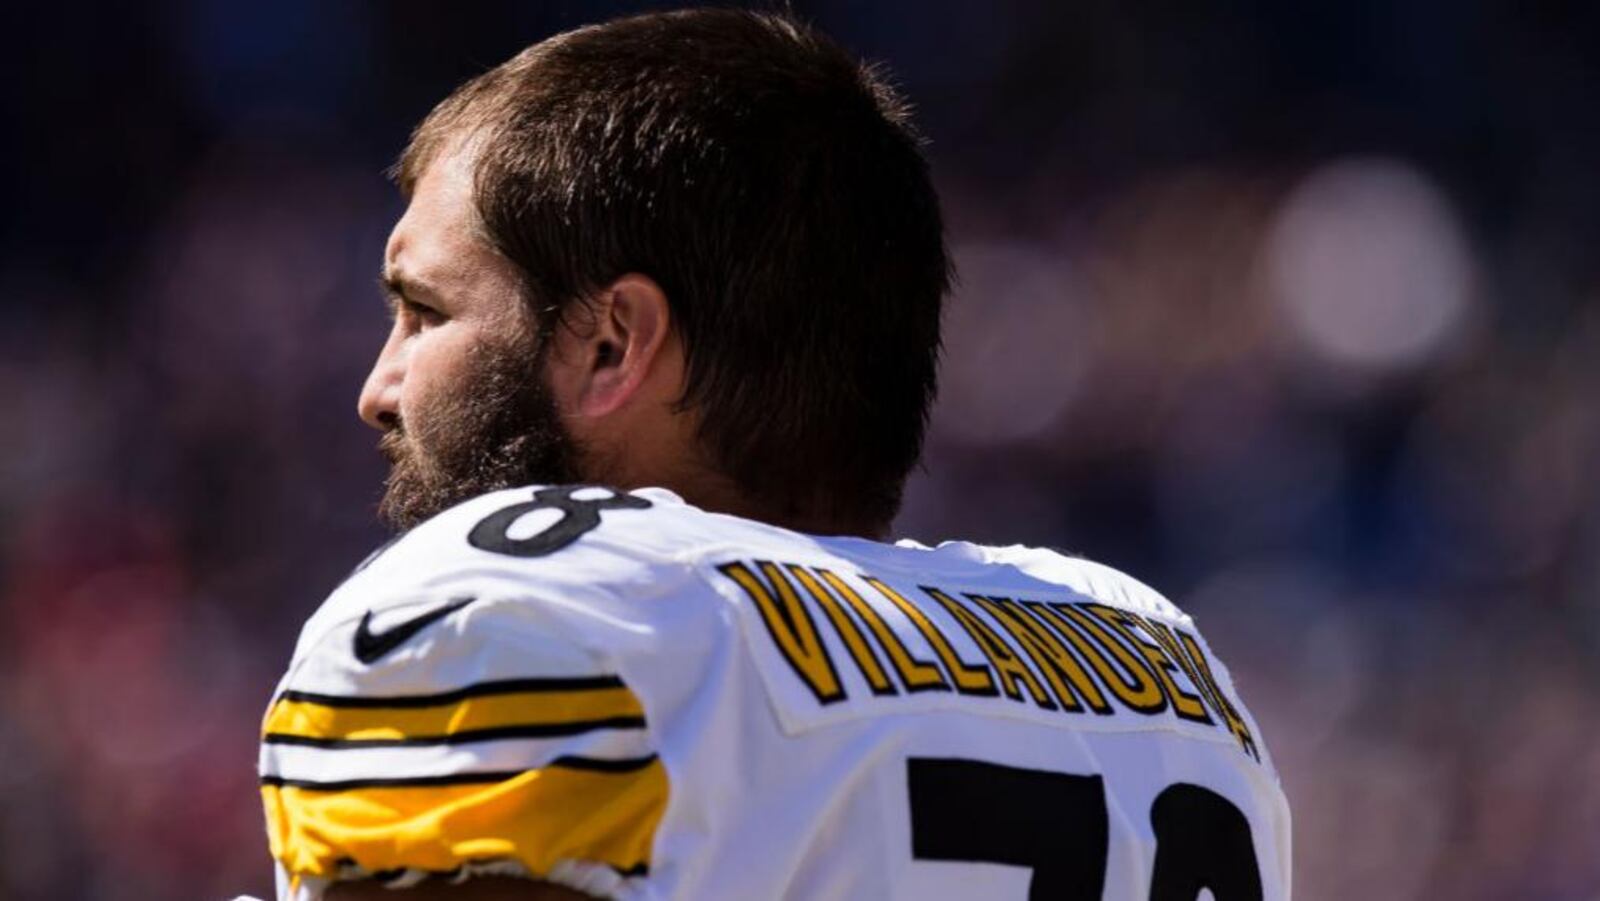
x,y
1290,313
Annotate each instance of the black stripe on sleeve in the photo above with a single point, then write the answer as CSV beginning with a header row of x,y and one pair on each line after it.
x,y
529,730
593,764
604,765
480,689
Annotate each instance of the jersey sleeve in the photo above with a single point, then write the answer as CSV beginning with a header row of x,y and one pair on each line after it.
x,y
442,734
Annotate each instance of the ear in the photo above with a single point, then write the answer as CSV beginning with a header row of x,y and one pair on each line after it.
x,y
601,368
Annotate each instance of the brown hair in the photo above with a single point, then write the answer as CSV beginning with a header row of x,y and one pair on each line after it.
x,y
773,186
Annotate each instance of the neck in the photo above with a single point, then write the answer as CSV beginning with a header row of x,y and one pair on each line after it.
x,y
798,520
711,491
675,462
720,496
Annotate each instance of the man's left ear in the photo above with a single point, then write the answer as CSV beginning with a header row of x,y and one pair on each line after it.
x,y
611,361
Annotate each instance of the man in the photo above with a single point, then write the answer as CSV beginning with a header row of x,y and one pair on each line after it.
x,y
696,258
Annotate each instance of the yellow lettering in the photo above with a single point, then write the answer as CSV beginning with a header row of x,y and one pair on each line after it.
x,y
1066,676
1230,713
1184,704
790,624
970,679
1007,664
1135,685
916,675
854,641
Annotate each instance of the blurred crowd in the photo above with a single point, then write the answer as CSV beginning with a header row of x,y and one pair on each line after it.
x,y
1291,314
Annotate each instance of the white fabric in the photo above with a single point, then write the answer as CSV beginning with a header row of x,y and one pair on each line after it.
x,y
321,765
773,792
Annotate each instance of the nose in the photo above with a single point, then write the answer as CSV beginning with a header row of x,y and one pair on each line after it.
x,y
379,403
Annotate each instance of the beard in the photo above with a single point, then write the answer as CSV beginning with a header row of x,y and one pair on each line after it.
x,y
500,429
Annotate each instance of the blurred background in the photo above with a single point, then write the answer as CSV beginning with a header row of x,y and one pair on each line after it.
x,y
1289,311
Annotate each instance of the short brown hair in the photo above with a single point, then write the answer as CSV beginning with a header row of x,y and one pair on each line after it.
x,y
774,187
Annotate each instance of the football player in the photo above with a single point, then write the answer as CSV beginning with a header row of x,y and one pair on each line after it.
x,y
666,304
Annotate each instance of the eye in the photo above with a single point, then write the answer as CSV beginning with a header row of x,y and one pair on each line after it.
x,y
423,315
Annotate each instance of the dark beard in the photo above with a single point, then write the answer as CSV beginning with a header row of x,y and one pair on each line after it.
x,y
502,429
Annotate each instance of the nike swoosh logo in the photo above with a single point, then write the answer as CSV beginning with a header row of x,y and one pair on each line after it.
x,y
370,646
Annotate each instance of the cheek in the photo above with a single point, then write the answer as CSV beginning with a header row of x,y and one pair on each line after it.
x,y
437,365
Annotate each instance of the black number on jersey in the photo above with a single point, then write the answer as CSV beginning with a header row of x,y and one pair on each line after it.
x,y
980,812
1057,825
578,515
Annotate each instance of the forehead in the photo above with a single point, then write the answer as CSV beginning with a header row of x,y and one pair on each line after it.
x,y
439,241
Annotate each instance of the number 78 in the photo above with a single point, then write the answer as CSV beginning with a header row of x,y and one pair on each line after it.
x,y
1056,824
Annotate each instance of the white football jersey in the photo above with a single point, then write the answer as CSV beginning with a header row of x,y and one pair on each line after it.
x,y
636,698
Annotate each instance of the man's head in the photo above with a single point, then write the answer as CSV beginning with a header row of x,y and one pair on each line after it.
x,y
696,249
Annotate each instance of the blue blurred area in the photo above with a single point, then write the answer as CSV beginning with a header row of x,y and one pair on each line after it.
x,y
1289,311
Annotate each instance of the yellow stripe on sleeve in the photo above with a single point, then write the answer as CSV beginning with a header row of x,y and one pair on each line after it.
x,y
356,719
536,817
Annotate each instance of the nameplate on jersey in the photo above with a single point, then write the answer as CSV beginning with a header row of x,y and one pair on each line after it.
x,y
834,644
